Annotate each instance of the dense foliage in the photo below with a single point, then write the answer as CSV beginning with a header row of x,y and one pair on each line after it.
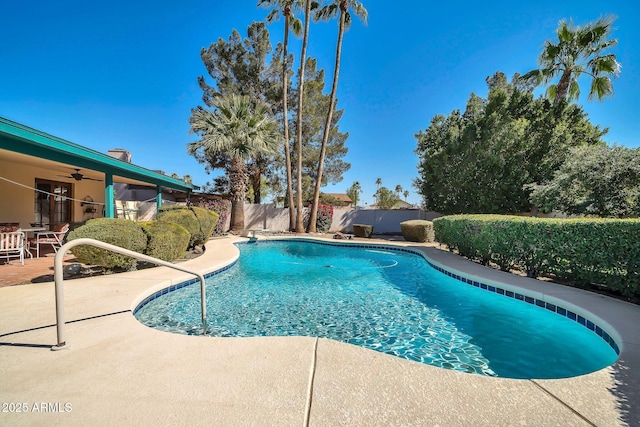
x,y
479,161
324,218
116,231
199,222
165,240
241,128
584,251
243,66
385,198
220,206
594,180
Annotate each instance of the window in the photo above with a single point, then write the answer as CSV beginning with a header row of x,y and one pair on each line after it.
x,y
52,203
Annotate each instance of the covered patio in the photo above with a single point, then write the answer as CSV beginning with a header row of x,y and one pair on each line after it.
x,y
46,180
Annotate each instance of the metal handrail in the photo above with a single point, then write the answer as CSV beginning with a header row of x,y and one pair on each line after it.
x,y
58,278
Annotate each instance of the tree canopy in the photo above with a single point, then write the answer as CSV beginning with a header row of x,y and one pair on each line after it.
x,y
579,50
240,128
594,180
250,67
480,160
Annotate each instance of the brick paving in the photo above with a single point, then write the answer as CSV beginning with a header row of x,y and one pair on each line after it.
x,y
34,270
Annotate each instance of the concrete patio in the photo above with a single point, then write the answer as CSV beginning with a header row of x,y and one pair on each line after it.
x,y
119,371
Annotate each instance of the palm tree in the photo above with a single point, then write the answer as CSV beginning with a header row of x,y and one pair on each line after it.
x,y
303,58
580,50
327,12
406,195
240,129
399,190
285,7
354,192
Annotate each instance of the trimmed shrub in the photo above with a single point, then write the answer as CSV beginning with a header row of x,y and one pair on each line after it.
x,y
165,240
417,230
584,251
362,230
199,222
220,206
116,231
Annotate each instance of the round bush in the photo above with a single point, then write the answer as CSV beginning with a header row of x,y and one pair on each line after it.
x,y
417,230
116,231
165,240
199,222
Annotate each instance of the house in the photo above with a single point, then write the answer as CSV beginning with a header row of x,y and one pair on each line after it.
x,y
339,199
46,180
400,204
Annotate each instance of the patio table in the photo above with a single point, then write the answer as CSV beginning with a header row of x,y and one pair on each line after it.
x,y
31,230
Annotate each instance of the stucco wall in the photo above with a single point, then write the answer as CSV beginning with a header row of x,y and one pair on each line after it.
x,y
268,217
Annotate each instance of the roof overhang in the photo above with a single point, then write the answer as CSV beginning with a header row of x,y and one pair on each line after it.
x,y
17,138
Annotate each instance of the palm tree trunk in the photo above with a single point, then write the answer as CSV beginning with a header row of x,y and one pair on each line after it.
x,y
327,128
287,154
563,86
303,58
238,181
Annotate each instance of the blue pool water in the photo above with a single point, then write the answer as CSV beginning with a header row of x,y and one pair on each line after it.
x,y
385,300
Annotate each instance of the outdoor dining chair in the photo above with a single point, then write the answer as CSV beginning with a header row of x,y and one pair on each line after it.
x,y
54,238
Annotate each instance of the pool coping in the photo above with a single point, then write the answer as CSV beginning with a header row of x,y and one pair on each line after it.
x,y
322,382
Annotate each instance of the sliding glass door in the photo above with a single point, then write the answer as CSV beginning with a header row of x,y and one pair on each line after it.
x,y
52,203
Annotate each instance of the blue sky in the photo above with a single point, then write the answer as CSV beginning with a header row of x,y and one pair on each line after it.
x,y
122,74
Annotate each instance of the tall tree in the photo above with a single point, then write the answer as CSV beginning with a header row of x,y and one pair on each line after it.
x,y
240,128
378,184
479,161
386,198
303,61
344,21
240,66
285,7
314,110
579,50
398,190
354,193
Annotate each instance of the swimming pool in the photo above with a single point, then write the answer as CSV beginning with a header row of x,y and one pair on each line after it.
x,y
385,299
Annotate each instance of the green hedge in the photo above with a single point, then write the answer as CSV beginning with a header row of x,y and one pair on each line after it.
x,y
199,222
116,231
165,240
585,251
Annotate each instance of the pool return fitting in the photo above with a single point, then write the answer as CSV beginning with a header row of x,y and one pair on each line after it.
x,y
58,278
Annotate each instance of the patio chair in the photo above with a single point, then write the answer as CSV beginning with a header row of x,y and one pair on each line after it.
x,y
12,245
119,209
54,238
131,210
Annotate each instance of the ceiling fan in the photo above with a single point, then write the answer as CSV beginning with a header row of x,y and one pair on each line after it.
x,y
79,177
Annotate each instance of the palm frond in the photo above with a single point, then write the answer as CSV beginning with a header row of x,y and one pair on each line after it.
x,y
295,24
601,87
604,64
327,12
574,90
